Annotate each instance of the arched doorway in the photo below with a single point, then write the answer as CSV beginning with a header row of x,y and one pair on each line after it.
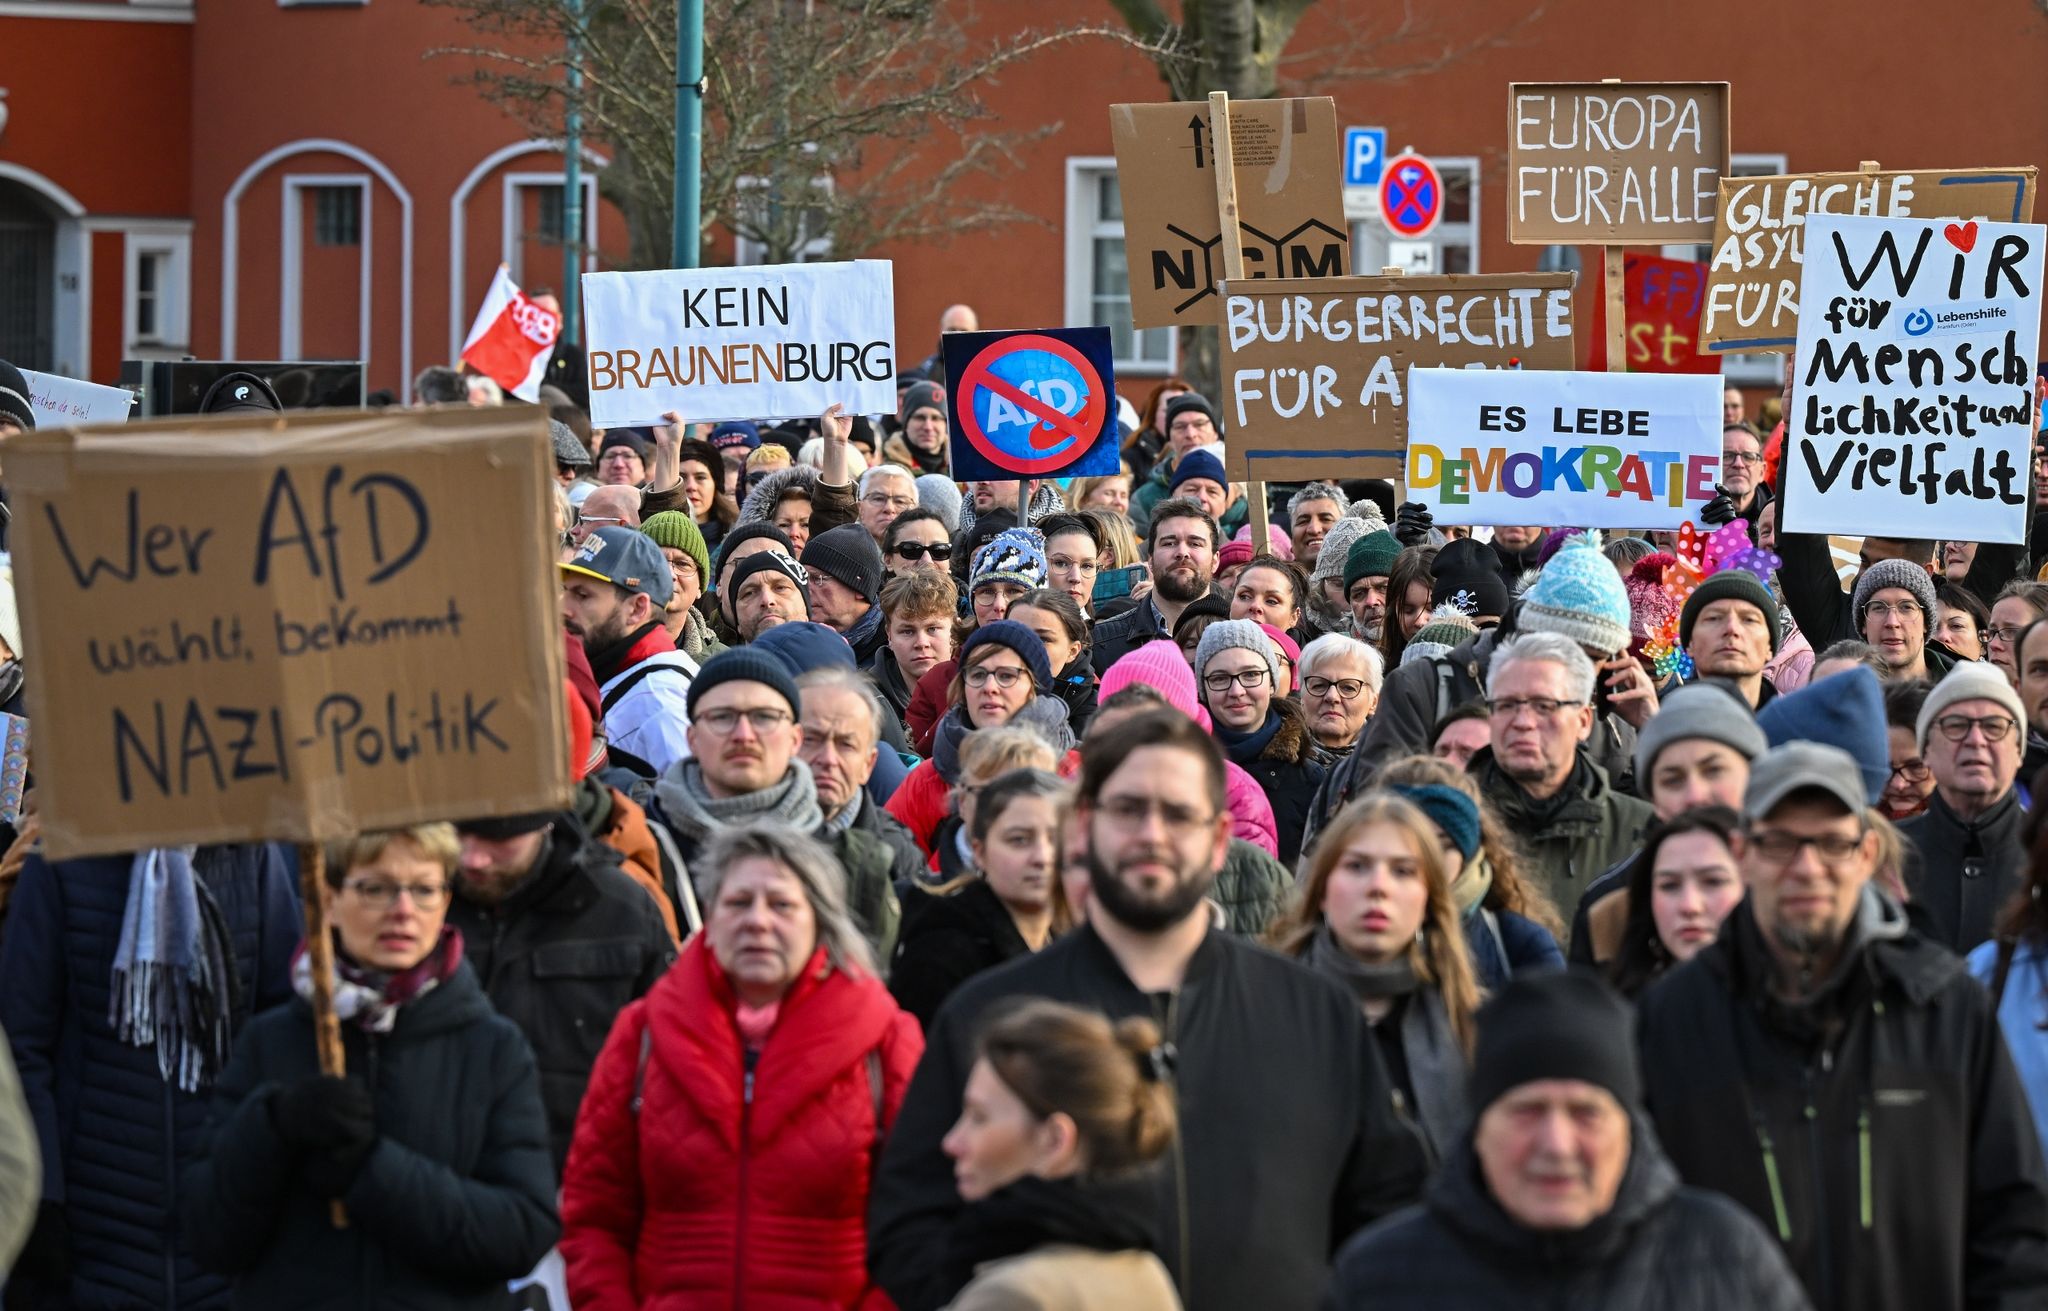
x,y
28,274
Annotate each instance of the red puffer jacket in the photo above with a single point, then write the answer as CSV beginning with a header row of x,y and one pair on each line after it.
x,y
725,1189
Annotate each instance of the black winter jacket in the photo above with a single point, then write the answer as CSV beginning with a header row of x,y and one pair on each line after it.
x,y
947,940
1076,685
112,1132
561,957
1878,1130
1288,1142
456,1198
1290,770
1967,871
1661,1247
1113,639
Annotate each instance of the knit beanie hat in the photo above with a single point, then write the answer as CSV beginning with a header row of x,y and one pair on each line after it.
x,y
1015,555
1579,595
1219,637
736,435
849,554
1337,546
1707,709
627,437
1371,556
1554,1024
1972,680
1277,541
1010,633
678,532
741,533
1734,585
1161,666
780,563
1191,400
1234,554
941,495
742,664
1895,573
1289,648
922,396
1649,605
1844,710
1447,627
1453,812
570,452
802,646
1198,463
1467,574
14,402
1207,606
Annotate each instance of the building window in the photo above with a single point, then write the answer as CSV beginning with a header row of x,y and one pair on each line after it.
x,y
337,216
552,222
149,272
1452,246
156,287
1098,270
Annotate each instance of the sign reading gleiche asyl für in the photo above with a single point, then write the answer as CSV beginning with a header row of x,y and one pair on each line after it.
x,y
297,630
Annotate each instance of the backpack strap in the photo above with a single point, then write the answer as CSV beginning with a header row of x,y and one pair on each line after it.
x,y
644,670
678,877
1443,691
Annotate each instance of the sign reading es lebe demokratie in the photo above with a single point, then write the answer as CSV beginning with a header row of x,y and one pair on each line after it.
x,y
1913,400
1316,369
290,629
1613,164
1601,450
1037,404
778,341
1760,224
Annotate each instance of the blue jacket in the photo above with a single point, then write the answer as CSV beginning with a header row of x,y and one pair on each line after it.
x,y
1522,945
113,1132
2021,1011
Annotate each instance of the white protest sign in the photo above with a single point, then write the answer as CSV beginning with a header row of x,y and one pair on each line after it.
x,y
777,341
61,402
1913,405
1595,450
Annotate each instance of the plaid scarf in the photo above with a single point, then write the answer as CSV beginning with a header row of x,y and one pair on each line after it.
x,y
371,998
173,980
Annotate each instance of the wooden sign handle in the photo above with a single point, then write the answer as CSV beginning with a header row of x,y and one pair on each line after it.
x,y
1617,309
320,962
1233,269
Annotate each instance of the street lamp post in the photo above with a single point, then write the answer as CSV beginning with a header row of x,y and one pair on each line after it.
x,y
684,248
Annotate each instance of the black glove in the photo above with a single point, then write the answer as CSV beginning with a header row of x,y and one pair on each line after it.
x,y
46,1256
1412,523
323,1112
1718,511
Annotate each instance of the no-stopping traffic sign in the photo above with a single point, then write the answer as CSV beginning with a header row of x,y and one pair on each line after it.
x,y
1411,195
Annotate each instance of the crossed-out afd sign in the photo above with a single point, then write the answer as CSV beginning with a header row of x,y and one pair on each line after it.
x,y
1411,195
1039,403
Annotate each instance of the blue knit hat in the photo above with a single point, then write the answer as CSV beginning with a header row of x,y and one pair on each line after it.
x,y
1197,464
802,646
742,664
1843,710
1579,595
1015,555
1010,633
1454,812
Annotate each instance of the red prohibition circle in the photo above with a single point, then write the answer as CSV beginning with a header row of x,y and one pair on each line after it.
x,y
1396,195
1081,429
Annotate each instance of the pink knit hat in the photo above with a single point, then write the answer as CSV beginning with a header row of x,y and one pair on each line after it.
x,y
1234,554
1161,666
1289,647
1283,545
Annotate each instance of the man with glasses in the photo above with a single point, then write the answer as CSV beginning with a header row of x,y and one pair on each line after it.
x,y
1281,1089
845,568
1972,730
1181,550
1570,821
560,938
1743,493
745,736
1842,1077
886,491
917,539
615,592
1191,423
1895,605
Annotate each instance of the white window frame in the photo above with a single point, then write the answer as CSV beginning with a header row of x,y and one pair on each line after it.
x,y
291,263
1083,228
511,207
1752,370
747,252
171,242
1370,235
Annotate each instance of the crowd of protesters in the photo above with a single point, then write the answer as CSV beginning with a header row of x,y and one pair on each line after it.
x,y
1001,895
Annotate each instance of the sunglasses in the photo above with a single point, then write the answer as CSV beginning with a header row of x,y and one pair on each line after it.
x,y
917,550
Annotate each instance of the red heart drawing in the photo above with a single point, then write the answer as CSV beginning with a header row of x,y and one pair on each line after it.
x,y
1963,236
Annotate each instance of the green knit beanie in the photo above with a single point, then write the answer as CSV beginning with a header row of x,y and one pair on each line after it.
x,y
1372,556
678,532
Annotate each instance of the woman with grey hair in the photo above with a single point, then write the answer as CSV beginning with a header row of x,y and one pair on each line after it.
x,y
1340,688
725,1146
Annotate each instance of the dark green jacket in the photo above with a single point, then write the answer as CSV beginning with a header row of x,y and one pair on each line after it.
x,y
1565,849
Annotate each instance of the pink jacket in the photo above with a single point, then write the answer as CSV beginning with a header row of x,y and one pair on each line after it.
x,y
1251,815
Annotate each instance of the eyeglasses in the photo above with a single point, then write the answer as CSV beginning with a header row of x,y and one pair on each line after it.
x,y
885,502
1078,566
1132,812
378,894
918,550
1004,676
1913,771
1957,727
1543,707
1244,678
1782,848
763,721
1347,689
1882,610
2007,633
1741,457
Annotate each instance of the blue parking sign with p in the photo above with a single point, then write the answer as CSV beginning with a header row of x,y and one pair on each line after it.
x,y
1365,149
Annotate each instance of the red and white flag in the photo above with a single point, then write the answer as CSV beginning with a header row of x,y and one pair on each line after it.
x,y
512,338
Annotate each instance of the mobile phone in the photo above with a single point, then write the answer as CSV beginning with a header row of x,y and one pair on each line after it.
x,y
1114,583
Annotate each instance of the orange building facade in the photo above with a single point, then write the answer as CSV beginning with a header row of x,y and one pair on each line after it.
x,y
270,179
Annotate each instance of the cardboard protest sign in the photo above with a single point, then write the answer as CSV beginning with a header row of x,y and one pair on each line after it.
x,y
289,629
1760,226
1613,163
1290,200
1038,404
1661,301
1913,400
60,402
1597,450
774,341
1315,370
